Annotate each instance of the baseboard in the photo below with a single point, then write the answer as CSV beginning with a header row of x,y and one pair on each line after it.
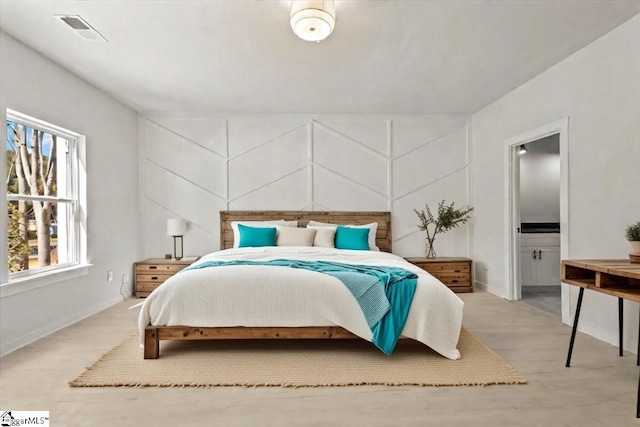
x,y
480,285
602,335
542,288
33,336
484,287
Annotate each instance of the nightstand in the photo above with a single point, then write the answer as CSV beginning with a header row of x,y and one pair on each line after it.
x,y
152,272
456,273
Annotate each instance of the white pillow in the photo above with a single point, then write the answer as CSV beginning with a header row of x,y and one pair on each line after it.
x,y
294,236
373,230
236,232
325,236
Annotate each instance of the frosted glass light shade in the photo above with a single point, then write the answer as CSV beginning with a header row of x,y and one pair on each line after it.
x,y
176,227
313,20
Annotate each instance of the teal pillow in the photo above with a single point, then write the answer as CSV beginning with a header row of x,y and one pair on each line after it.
x,y
352,238
256,236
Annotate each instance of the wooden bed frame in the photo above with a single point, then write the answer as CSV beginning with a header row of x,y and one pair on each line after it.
x,y
154,334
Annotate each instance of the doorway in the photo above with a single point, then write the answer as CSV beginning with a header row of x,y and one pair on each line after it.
x,y
521,257
539,167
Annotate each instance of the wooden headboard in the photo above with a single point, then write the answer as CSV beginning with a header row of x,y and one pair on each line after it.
x,y
383,237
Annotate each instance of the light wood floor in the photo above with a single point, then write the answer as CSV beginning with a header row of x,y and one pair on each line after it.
x,y
599,389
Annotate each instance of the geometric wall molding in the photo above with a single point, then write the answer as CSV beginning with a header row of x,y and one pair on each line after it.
x,y
179,155
368,134
209,134
193,167
247,134
429,162
351,159
267,162
411,134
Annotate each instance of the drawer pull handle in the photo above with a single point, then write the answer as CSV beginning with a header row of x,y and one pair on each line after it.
x,y
454,281
153,267
154,277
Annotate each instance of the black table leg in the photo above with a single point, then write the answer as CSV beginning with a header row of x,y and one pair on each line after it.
x,y
620,315
638,400
638,352
575,326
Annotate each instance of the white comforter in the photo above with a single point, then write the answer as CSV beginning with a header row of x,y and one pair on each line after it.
x,y
281,296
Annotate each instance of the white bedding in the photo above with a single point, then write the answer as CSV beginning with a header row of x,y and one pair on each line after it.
x,y
280,296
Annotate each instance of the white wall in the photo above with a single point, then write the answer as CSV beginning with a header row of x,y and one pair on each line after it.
x,y
193,167
540,181
32,84
598,88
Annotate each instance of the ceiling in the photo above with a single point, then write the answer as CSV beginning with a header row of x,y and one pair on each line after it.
x,y
386,57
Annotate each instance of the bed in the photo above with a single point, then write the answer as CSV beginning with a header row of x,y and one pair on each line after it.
x,y
267,302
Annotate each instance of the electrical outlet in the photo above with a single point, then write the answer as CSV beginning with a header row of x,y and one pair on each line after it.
x,y
109,275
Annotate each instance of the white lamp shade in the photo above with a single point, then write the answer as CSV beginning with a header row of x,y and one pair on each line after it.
x,y
176,227
313,20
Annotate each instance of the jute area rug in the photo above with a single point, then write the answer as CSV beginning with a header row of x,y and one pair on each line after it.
x,y
296,363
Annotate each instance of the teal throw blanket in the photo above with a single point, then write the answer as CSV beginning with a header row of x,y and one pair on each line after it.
x,y
383,293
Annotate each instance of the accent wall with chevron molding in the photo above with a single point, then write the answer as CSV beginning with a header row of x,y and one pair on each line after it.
x,y
193,167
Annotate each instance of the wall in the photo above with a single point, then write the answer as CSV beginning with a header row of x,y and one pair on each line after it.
x,y
598,88
32,84
540,181
193,167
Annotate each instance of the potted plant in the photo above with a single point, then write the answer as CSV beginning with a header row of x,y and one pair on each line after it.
x,y
633,236
448,218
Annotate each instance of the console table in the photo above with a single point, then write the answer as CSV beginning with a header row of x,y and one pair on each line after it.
x,y
619,278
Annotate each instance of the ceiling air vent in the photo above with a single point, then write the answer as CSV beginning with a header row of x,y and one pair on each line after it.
x,y
82,27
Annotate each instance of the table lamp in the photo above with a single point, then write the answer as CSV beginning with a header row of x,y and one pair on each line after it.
x,y
176,228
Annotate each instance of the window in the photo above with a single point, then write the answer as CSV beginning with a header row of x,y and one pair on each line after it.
x,y
43,203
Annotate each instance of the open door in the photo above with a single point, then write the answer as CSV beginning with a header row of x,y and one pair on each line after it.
x,y
512,206
513,221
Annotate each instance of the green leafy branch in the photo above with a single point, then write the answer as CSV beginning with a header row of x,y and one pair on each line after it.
x,y
448,218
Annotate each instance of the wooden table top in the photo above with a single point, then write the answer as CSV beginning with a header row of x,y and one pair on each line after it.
x,y
618,267
617,277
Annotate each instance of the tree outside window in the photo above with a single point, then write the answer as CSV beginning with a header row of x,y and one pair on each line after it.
x,y
40,203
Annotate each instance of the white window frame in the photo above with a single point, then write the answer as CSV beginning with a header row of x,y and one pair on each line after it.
x,y
11,283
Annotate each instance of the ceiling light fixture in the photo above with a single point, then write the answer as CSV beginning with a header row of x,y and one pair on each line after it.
x,y
313,21
523,149
82,27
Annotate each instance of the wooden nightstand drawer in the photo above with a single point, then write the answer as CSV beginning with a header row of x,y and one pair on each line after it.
x,y
446,267
170,269
146,287
452,278
455,273
151,273
152,278
143,294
